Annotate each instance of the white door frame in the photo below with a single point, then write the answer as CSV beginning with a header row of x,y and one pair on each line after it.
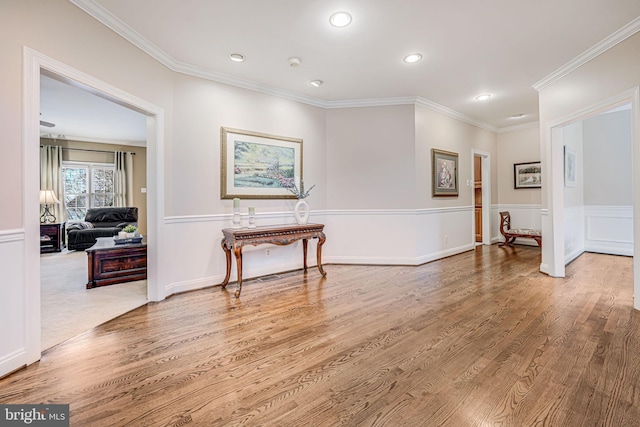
x,y
553,260
33,64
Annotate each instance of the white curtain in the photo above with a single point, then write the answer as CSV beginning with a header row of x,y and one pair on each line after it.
x,y
123,179
51,178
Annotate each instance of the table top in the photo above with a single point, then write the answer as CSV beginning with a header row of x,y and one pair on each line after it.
x,y
106,243
277,229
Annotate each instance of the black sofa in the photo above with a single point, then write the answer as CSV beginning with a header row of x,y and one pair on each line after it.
x,y
99,222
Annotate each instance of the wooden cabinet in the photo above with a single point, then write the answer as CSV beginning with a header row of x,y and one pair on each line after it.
x,y
51,237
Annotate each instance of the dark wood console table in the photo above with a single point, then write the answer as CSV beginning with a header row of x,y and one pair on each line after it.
x,y
235,238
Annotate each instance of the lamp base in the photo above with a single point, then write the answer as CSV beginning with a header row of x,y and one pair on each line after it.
x,y
47,217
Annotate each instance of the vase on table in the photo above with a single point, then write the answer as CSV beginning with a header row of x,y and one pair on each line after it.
x,y
301,212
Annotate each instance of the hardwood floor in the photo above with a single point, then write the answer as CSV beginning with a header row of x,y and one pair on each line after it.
x,y
477,339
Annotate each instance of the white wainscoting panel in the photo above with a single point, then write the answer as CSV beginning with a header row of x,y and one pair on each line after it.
x,y
444,232
609,229
371,237
12,303
397,237
573,233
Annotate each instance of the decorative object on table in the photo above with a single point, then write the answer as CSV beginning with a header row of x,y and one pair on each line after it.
x,y
527,175
137,238
570,167
47,198
444,167
301,210
130,231
257,165
237,222
252,217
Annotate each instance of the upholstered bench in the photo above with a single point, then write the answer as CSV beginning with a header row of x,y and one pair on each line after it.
x,y
510,234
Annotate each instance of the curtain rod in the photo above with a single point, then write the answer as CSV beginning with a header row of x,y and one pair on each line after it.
x,y
87,149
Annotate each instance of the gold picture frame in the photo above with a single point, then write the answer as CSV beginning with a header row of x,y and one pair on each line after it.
x,y
444,173
257,165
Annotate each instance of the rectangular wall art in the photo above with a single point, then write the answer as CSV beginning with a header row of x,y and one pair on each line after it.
x,y
444,166
527,175
257,165
570,167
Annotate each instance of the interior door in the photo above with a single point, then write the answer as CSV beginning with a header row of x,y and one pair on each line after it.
x,y
477,187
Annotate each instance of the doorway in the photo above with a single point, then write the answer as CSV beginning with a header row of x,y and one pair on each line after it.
x,y
477,196
481,197
35,64
556,220
87,130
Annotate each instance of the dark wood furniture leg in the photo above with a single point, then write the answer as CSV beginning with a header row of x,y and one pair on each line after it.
x,y
227,252
304,252
321,241
237,250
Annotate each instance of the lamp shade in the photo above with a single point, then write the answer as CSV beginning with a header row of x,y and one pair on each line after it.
x,y
48,197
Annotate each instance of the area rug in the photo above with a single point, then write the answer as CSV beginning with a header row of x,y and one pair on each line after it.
x,y
68,308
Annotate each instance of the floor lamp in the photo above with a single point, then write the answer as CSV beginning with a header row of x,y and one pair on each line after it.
x,y
47,198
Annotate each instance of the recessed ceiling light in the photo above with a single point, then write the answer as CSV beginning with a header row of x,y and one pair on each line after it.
x,y
517,116
412,57
236,57
294,61
483,97
316,83
340,19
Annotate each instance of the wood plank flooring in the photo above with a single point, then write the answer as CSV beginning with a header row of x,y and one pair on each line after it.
x,y
477,339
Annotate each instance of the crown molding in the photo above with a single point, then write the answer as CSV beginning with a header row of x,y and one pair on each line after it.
x,y
521,126
454,114
105,17
622,34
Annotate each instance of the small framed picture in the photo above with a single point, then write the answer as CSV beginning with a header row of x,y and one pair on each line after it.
x,y
570,167
527,175
444,166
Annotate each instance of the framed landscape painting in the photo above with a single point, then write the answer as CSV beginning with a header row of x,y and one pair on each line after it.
x,y
444,167
257,165
527,175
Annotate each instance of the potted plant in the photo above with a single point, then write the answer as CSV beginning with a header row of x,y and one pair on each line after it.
x,y
130,231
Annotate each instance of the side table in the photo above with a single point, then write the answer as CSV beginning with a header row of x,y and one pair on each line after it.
x,y
51,237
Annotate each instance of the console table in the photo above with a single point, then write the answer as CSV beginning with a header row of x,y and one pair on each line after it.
x,y
235,238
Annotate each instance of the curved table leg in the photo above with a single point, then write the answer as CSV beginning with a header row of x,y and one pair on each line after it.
x,y
321,240
227,252
237,250
304,252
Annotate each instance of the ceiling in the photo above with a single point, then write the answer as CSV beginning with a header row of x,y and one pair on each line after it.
x,y
501,47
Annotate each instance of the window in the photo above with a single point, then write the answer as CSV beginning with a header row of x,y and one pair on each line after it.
x,y
86,185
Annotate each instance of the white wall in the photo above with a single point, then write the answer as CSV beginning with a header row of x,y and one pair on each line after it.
x,y
608,195
518,146
607,158
574,196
